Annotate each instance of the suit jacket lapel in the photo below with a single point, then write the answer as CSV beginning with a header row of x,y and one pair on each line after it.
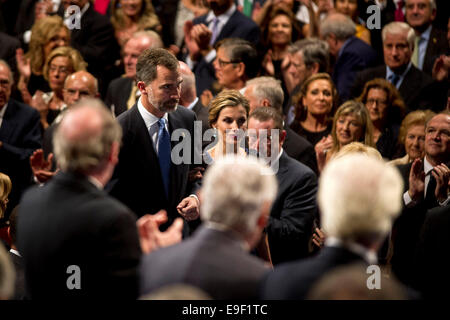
x,y
228,27
8,123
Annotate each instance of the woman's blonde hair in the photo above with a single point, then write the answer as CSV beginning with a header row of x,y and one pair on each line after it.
x,y
77,62
41,33
148,20
5,189
226,98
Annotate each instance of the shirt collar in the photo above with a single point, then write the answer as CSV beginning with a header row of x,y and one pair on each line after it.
x,y
426,34
15,252
368,255
191,106
3,110
223,17
389,71
149,118
95,182
427,167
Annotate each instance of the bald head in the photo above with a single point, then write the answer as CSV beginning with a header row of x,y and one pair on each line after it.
x,y
78,85
188,90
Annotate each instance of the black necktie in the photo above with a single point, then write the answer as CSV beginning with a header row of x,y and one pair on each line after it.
x,y
430,198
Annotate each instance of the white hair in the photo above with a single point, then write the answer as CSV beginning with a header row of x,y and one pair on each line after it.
x,y
359,196
268,88
432,4
234,191
400,28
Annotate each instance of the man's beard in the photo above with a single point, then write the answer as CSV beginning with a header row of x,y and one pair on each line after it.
x,y
163,106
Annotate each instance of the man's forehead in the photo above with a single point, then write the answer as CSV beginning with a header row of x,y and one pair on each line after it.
x,y
258,124
165,74
4,72
440,119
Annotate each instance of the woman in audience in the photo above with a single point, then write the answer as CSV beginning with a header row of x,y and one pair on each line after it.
x,y
314,108
47,34
386,109
129,16
59,64
228,115
350,8
351,123
412,136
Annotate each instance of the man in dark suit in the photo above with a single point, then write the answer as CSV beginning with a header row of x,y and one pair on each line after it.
x,y
189,98
426,187
267,92
20,135
95,40
216,258
358,196
151,174
8,49
86,246
416,88
221,22
430,42
122,92
431,261
351,54
291,217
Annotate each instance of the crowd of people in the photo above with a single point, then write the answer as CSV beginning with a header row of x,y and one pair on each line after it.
x,y
271,150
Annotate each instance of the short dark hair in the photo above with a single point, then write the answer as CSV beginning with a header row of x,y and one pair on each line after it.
x,y
149,60
240,50
267,113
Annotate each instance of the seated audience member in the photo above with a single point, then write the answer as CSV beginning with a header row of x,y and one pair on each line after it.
x,y
16,258
350,282
426,187
189,98
216,258
412,136
61,62
359,196
228,115
431,42
416,88
7,275
294,209
5,190
386,109
47,34
350,53
123,92
306,57
203,33
129,17
20,135
351,123
431,262
86,246
350,9
314,108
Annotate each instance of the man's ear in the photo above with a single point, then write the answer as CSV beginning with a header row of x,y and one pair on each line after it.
x,y
314,68
282,137
265,102
141,86
240,69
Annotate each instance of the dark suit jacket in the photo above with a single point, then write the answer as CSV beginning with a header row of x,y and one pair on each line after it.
x,y
293,211
21,134
294,280
355,56
211,260
19,286
300,149
8,46
406,232
119,91
417,89
88,229
137,180
238,26
202,114
437,45
432,263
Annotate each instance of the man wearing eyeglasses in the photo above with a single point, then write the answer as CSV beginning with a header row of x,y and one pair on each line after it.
x,y
221,22
20,135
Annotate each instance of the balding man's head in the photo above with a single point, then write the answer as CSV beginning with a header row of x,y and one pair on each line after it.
x,y
84,139
188,90
79,85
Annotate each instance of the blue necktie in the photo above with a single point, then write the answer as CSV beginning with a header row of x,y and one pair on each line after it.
x,y
164,154
215,30
394,79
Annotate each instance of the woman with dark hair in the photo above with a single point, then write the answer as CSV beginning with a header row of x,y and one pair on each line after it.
x,y
130,16
350,8
386,109
315,105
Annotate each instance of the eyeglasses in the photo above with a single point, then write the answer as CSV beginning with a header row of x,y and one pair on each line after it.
x,y
377,102
222,63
